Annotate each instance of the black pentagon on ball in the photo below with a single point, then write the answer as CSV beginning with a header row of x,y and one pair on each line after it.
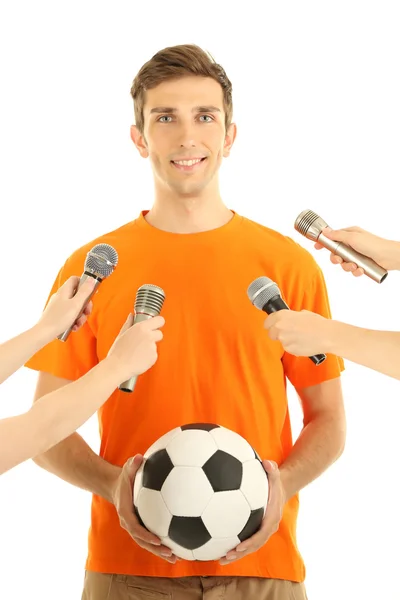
x,y
253,524
156,469
188,532
223,471
202,426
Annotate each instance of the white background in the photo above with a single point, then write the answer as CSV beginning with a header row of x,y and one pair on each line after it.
x,y
316,100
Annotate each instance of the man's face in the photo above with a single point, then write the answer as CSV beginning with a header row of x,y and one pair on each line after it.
x,y
184,133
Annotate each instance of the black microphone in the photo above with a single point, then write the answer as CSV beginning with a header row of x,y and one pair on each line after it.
x,y
265,295
100,262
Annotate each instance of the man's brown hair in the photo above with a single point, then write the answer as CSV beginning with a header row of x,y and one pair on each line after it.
x,y
175,62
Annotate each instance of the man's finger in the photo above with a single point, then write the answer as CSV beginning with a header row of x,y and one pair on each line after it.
x,y
161,551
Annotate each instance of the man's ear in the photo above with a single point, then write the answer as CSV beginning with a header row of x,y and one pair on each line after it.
x,y
229,139
140,141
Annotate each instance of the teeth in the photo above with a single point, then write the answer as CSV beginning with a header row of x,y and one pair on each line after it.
x,y
187,163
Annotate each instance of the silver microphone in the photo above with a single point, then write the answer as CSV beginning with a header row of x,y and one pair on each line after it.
x,y
309,224
100,262
265,295
148,304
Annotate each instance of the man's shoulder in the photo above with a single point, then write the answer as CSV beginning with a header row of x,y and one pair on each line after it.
x,y
117,238
281,246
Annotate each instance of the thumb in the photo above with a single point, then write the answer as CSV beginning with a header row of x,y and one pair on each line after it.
x,y
132,466
338,235
128,323
85,290
271,468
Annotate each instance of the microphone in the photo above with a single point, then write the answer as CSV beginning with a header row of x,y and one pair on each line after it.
x,y
148,304
309,224
100,262
266,295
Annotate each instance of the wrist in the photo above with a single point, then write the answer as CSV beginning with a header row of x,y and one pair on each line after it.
x,y
330,335
110,483
395,258
287,488
43,333
116,368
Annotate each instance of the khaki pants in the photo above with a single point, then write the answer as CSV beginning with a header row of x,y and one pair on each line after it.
x,y
102,586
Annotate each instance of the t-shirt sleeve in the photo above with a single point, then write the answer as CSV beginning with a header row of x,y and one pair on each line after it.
x,y
301,371
76,356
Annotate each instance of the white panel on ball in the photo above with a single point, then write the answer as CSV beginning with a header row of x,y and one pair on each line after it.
x,y
187,491
153,512
216,548
232,443
226,514
191,448
254,484
178,550
162,442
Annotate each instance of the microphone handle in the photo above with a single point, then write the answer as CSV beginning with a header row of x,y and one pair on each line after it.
x,y
64,336
277,303
129,384
369,266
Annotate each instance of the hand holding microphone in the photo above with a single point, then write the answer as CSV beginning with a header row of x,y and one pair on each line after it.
x,y
301,333
313,227
134,351
266,296
67,306
100,262
148,304
384,252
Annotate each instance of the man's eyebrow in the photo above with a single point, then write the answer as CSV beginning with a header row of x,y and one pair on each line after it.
x,y
170,109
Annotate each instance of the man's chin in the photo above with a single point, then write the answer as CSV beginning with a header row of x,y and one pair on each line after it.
x,y
188,191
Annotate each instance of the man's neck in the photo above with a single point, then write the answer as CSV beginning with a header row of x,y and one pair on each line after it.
x,y
188,215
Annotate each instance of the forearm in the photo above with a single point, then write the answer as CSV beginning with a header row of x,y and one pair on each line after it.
x,y
15,352
56,415
72,459
75,462
377,350
394,256
319,445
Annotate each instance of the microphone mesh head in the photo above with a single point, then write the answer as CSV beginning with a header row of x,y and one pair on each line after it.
x,y
149,299
261,291
101,260
305,220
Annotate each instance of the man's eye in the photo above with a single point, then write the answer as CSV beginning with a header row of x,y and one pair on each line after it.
x,y
207,117
164,117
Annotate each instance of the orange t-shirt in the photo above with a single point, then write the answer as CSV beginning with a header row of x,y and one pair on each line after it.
x,y
216,364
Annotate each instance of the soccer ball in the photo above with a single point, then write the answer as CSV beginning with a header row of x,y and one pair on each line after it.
x,y
202,490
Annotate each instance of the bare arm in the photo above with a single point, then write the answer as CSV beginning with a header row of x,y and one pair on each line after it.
x,y
72,459
377,350
15,352
63,406
62,310
55,415
322,438
305,333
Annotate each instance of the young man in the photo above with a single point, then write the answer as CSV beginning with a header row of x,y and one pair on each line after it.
x,y
60,413
216,363
305,333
